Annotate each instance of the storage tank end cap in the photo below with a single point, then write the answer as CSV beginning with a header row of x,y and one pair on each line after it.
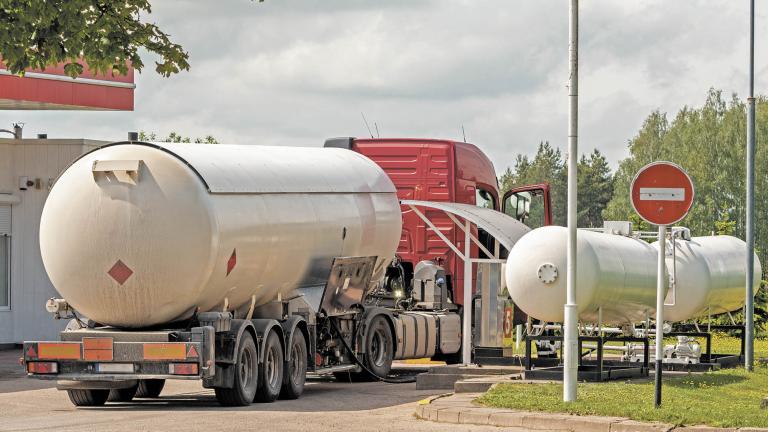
x,y
547,273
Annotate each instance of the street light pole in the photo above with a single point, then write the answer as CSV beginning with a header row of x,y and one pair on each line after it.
x,y
570,312
749,307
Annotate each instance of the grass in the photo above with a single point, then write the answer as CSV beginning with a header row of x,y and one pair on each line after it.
x,y
725,398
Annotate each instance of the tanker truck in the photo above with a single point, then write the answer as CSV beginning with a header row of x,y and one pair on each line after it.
x,y
243,267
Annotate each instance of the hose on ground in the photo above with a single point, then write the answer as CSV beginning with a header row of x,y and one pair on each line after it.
x,y
388,379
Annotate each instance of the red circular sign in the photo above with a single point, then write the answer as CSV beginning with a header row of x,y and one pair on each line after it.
x,y
662,193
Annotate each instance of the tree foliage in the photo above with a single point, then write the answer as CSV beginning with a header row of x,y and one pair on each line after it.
x,y
174,137
548,165
107,35
709,143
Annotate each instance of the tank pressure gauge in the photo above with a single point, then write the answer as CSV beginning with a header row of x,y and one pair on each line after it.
x,y
547,273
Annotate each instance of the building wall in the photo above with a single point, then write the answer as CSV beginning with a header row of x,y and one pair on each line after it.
x,y
42,160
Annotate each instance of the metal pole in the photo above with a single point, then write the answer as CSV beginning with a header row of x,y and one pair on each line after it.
x,y
661,271
466,345
570,310
749,309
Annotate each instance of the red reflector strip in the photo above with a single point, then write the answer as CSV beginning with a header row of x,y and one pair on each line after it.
x,y
165,351
182,369
42,367
59,350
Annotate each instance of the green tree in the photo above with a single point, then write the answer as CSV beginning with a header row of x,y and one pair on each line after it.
x,y
595,189
107,35
174,137
595,182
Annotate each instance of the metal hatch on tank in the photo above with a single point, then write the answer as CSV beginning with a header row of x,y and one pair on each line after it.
x,y
138,234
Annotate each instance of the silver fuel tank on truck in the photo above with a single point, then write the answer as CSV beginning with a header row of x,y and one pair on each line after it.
x,y
136,234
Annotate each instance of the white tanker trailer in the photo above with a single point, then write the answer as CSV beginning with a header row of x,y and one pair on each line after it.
x,y
617,276
242,266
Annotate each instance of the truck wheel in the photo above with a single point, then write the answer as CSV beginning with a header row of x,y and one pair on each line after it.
x,y
246,376
150,388
378,347
271,370
88,397
123,394
296,372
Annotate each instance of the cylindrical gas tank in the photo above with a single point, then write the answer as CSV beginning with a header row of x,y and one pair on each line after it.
x,y
615,272
709,274
138,234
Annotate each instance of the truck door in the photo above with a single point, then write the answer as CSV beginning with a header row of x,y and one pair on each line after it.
x,y
529,204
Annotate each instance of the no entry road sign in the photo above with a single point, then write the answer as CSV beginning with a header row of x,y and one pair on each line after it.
x,y
662,193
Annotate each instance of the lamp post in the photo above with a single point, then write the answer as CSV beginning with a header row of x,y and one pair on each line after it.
x,y
749,307
570,312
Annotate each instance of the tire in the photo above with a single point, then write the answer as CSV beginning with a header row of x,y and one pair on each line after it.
x,y
150,388
123,394
88,397
379,347
271,370
246,375
295,374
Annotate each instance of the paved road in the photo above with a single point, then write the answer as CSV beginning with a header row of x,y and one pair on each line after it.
x,y
32,405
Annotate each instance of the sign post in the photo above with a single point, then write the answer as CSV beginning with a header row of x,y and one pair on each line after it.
x,y
662,194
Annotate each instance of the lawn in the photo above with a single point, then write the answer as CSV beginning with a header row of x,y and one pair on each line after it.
x,y
726,398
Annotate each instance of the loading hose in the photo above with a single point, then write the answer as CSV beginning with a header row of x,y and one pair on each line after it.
x,y
391,379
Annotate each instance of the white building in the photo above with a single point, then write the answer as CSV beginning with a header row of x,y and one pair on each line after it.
x,y
28,168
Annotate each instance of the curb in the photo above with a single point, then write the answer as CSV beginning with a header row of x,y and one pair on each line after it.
x,y
458,409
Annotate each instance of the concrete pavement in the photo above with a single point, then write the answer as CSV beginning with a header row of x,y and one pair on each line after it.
x,y
32,405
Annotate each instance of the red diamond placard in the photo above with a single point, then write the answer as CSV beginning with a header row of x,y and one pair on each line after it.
x,y
232,261
120,272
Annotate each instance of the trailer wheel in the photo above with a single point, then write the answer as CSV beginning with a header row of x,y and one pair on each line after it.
x,y
150,388
246,376
271,370
123,394
88,397
378,347
296,372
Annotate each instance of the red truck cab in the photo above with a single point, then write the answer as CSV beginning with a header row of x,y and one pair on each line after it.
x,y
443,171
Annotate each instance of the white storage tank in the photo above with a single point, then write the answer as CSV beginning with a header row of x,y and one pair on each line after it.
x,y
709,274
137,234
615,272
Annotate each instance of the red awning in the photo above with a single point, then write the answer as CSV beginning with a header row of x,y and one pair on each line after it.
x,y
52,89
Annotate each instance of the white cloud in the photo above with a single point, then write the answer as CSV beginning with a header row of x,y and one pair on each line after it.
x,y
295,73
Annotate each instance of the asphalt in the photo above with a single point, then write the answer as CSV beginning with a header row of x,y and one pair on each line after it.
x,y
32,405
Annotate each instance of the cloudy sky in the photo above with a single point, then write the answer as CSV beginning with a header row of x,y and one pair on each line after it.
x,y
294,72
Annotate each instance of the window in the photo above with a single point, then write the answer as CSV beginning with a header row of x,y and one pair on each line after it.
x,y
5,257
483,198
527,207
